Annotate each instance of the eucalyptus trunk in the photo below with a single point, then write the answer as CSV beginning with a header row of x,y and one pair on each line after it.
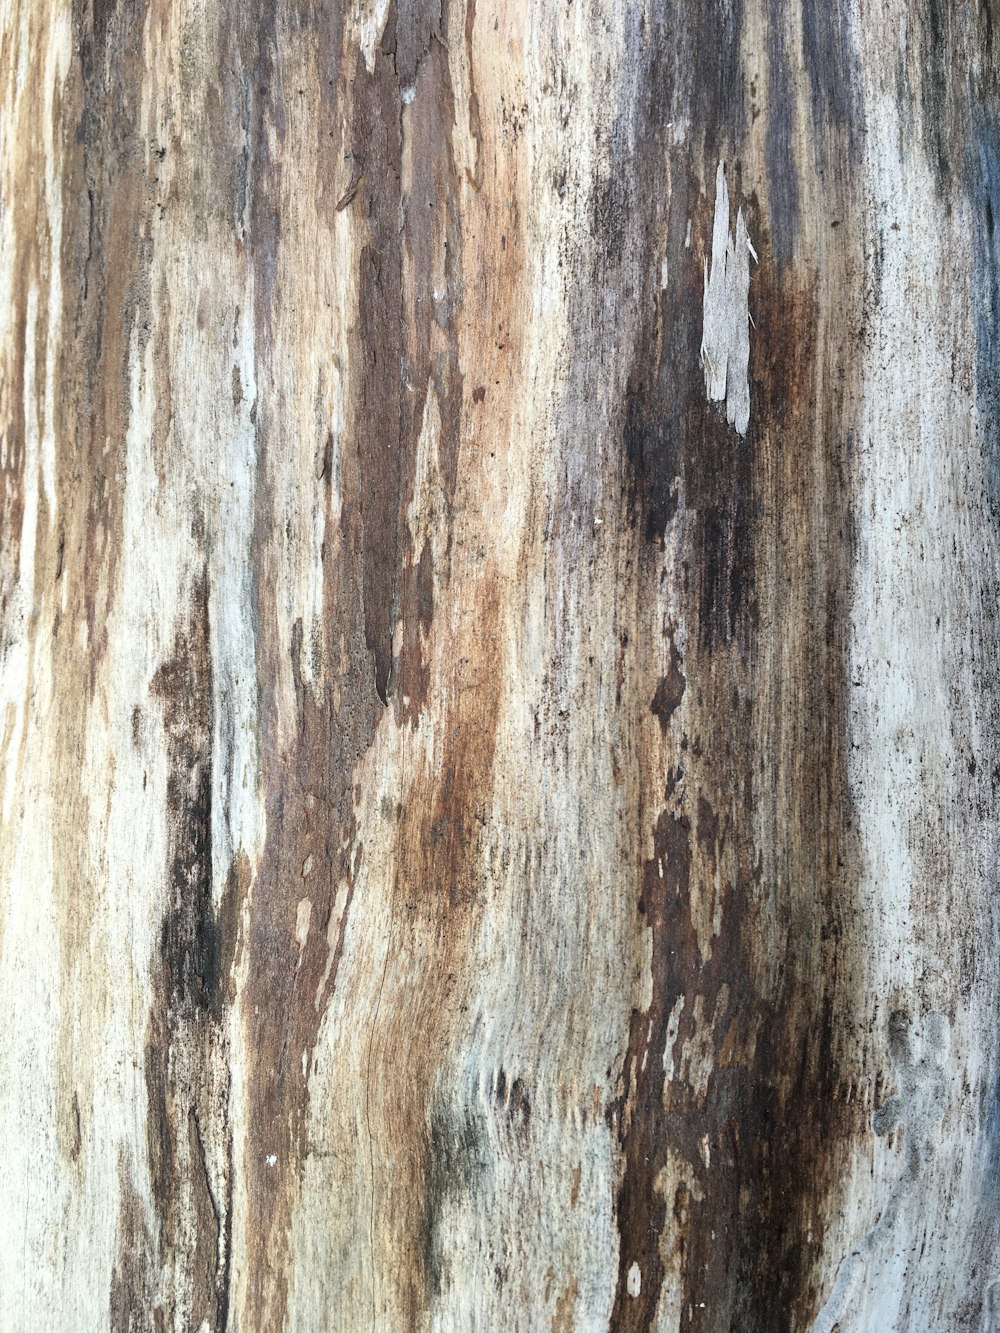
x,y
499,665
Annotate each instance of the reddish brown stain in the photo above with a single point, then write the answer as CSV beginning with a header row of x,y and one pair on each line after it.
x,y
562,1321
437,899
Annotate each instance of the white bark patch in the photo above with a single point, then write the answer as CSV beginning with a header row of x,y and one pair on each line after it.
x,y
302,919
372,26
725,342
919,1104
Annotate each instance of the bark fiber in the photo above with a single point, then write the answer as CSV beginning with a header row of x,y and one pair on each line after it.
x,y
500,665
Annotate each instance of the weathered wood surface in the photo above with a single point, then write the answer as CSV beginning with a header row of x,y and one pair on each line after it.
x,y
499,754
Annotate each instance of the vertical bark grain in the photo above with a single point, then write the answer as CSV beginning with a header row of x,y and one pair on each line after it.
x,y
498,665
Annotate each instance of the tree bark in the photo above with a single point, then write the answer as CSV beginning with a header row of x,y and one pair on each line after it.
x,y
500,720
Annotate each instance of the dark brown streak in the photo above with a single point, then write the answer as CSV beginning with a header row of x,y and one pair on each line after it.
x,y
187,1076
378,346
755,511
105,258
308,778
132,1297
432,242
638,1118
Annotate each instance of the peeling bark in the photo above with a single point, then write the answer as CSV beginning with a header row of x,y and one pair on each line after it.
x,y
499,665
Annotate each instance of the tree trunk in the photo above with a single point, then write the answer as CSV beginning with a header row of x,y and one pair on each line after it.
x,y
500,662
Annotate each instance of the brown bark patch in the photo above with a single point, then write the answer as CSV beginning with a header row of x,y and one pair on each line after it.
x,y
378,348
132,1296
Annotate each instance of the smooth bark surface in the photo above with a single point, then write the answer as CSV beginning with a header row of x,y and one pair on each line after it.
x,y
499,665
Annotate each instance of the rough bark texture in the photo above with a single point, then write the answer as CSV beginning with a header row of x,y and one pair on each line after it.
x,y
500,753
